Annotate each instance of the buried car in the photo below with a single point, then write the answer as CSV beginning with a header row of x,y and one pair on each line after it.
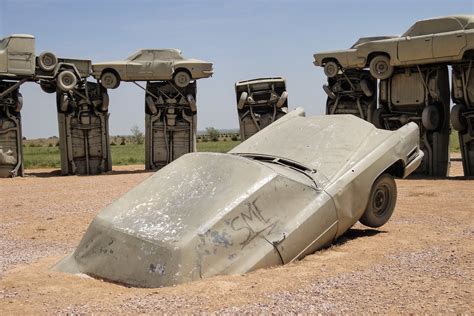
x,y
152,65
287,191
435,40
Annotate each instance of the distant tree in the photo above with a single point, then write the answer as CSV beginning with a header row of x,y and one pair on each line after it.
x,y
123,142
234,137
137,135
213,134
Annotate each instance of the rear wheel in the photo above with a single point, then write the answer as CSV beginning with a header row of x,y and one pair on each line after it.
x,y
19,102
47,86
62,102
47,61
329,92
66,80
382,200
380,67
458,121
431,118
182,78
109,80
281,101
378,119
331,68
242,100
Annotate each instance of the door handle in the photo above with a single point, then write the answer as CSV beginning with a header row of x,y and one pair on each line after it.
x,y
427,39
459,35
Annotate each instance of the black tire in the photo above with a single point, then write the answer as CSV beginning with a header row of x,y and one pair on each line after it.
x,y
329,92
458,121
109,80
380,67
377,118
182,78
66,80
382,200
331,69
47,86
431,118
47,61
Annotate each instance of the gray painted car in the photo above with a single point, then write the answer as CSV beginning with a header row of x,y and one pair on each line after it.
x,y
287,191
435,40
152,65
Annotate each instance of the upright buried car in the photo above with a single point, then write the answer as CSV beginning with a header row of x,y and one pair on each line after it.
x,y
436,40
152,65
287,191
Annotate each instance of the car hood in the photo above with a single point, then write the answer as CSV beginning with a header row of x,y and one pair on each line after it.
x,y
330,144
363,40
185,222
318,57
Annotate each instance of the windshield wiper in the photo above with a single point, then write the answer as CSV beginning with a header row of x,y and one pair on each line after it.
x,y
285,162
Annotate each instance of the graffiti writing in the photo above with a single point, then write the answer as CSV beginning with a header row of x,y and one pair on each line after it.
x,y
253,223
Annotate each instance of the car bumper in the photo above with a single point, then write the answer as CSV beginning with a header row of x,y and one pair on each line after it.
x,y
414,163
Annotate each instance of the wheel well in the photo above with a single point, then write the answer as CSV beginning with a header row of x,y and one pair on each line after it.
x,y
328,59
373,54
115,72
182,69
469,54
396,169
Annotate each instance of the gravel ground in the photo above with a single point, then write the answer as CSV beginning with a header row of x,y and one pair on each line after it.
x,y
422,261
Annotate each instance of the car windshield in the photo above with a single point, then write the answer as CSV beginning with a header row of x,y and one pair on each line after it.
x,y
294,165
4,43
134,55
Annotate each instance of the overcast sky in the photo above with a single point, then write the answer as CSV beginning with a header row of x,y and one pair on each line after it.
x,y
244,40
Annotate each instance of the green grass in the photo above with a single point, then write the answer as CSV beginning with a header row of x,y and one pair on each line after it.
x,y
129,154
217,147
454,142
41,157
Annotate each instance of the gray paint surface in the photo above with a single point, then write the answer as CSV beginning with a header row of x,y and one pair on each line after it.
x,y
282,194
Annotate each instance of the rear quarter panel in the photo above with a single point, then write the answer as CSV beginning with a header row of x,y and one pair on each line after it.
x,y
350,189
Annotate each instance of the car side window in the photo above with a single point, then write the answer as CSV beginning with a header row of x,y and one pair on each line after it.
x,y
433,27
145,56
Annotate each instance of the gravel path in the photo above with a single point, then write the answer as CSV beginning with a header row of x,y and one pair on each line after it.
x,y
422,261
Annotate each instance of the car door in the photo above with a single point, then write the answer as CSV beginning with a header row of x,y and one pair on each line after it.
x,y
415,48
162,66
448,44
140,68
21,56
315,227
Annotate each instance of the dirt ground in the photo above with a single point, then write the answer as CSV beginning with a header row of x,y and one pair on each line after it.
x,y
422,261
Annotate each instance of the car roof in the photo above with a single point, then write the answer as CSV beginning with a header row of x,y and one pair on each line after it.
x,y
318,142
21,36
